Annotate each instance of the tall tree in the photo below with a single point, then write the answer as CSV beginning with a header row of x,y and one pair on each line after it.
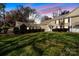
x,y
24,12
2,10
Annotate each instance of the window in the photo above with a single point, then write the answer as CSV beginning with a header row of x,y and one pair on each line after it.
x,y
27,28
76,26
57,22
65,26
66,20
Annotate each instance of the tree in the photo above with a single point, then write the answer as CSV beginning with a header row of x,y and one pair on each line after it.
x,y
46,18
10,18
2,9
6,26
16,30
24,12
23,29
21,14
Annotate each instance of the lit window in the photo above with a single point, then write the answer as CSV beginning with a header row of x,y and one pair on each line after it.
x,y
27,28
65,26
66,20
57,22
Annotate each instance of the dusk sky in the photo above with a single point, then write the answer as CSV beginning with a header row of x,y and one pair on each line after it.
x,y
44,8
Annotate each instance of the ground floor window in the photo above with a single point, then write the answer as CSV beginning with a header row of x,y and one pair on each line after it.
x,y
76,26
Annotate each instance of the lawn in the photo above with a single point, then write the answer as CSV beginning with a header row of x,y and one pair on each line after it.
x,y
40,44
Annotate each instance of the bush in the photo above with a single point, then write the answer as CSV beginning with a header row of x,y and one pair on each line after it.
x,y
23,29
5,27
16,30
5,30
0,30
35,30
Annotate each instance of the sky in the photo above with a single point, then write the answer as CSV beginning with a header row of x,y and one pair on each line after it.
x,y
44,8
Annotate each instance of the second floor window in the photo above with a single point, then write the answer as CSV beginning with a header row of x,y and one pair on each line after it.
x,y
66,20
57,21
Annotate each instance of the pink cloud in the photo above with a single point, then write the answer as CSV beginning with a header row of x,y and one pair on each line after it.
x,y
49,6
51,10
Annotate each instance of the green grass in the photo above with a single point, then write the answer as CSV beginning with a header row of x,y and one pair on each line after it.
x,y
40,44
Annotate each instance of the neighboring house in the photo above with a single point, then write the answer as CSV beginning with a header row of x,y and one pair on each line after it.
x,y
45,25
68,21
30,25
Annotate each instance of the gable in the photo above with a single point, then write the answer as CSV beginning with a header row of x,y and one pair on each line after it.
x,y
75,12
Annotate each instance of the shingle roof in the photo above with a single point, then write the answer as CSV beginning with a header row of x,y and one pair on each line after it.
x,y
46,22
29,24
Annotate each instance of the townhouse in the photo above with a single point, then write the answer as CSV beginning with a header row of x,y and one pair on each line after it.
x,y
69,21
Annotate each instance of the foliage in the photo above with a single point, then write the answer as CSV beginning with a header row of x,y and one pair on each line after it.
x,y
0,30
2,5
46,18
21,14
16,30
23,29
5,27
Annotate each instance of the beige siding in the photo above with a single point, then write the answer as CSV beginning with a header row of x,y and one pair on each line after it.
x,y
57,22
74,12
52,23
18,24
75,21
46,27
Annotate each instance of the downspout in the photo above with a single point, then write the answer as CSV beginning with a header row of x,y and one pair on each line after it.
x,y
70,25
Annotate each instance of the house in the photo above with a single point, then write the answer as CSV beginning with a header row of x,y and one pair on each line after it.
x,y
68,21
30,25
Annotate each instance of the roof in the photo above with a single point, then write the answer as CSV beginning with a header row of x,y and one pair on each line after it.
x,y
28,24
60,17
74,12
46,22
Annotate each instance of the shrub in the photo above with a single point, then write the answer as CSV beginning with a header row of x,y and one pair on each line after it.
x,y
16,30
0,30
23,29
5,30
